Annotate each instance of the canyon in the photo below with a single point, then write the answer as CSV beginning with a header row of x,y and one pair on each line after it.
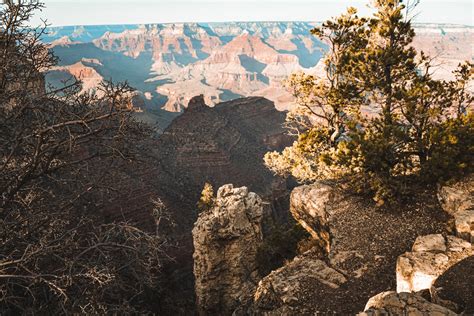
x,y
169,64
190,80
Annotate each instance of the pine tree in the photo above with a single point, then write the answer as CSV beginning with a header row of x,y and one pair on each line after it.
x,y
207,197
377,117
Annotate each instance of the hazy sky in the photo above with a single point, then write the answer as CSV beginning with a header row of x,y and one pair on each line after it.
x,y
78,12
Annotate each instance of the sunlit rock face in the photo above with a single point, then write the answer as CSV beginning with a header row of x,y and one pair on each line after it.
x,y
224,61
458,200
392,303
226,239
430,257
313,206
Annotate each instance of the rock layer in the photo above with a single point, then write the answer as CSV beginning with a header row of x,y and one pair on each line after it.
x,y
226,238
225,60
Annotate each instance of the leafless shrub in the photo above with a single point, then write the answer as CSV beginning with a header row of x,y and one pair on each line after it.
x,y
63,157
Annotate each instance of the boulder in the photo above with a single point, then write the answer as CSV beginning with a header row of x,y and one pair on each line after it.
x,y
464,223
226,238
458,200
313,207
392,303
283,291
430,257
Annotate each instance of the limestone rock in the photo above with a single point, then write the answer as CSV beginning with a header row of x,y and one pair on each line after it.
x,y
432,255
458,200
280,292
226,239
312,206
464,221
433,243
458,196
410,304
359,243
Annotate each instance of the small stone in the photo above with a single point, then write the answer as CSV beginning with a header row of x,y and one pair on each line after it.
x,y
433,243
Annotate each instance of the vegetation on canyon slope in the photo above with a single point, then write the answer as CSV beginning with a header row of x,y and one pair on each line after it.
x,y
64,158
378,118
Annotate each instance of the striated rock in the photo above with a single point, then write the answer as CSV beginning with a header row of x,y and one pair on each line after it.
x,y
226,238
458,200
410,304
280,292
431,256
223,60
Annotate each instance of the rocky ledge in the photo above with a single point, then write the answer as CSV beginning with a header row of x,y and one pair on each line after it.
x,y
351,268
458,200
355,240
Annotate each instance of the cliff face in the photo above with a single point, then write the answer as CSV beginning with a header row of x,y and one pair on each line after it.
x,y
174,62
217,145
226,239
223,144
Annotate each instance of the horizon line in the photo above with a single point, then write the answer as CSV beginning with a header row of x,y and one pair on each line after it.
x,y
236,21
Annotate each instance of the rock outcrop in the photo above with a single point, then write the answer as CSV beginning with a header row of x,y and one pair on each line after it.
x,y
286,291
226,238
313,207
225,60
392,303
196,103
458,201
358,248
430,257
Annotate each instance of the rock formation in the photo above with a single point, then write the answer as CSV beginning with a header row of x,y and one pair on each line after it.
x,y
226,238
196,103
313,207
219,145
358,248
430,257
392,303
458,201
440,267
223,61
285,291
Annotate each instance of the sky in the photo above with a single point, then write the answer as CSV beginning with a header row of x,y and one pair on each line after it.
x,y
90,12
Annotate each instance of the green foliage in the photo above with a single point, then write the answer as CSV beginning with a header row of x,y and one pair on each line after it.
x,y
453,150
377,117
207,199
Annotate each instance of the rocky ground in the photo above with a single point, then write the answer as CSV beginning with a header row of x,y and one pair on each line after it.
x,y
407,260
364,245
